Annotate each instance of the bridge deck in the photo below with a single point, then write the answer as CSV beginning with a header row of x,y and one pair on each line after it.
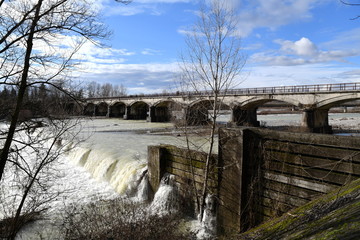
x,y
323,88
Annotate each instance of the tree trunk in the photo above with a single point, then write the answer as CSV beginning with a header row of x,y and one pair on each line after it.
x,y
23,85
208,159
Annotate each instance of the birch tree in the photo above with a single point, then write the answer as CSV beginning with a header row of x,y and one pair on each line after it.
x,y
212,63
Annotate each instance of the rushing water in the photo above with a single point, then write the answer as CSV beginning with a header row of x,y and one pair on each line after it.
x,y
111,162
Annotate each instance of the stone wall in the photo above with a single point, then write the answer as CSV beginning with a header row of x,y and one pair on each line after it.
x,y
266,173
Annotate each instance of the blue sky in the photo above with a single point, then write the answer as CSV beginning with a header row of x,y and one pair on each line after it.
x,y
287,42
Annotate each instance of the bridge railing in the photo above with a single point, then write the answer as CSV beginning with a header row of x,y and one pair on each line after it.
x,y
338,87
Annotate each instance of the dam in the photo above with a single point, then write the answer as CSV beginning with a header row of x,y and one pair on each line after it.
x,y
114,158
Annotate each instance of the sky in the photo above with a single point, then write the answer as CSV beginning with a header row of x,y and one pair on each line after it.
x,y
286,42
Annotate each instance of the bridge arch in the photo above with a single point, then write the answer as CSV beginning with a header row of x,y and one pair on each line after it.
x,y
257,101
89,109
198,111
138,110
164,111
335,101
316,118
73,108
101,109
246,113
117,110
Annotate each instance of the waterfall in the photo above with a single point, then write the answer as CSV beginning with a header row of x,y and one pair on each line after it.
x,y
123,172
207,228
166,200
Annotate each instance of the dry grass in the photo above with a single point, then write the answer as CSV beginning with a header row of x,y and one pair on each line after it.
x,y
117,219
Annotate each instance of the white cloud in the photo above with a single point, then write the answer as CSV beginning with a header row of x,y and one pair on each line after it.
x,y
110,7
163,1
267,76
344,40
149,51
302,47
88,52
138,78
300,52
272,13
128,10
351,74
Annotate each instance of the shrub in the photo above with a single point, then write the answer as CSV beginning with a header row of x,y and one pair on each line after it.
x,y
117,219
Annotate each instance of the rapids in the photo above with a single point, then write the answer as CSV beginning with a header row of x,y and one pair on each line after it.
x,y
110,161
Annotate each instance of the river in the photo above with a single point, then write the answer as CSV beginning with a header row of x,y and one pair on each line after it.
x,y
113,155
106,164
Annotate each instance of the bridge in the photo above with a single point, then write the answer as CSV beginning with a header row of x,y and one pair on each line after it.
x,y
314,101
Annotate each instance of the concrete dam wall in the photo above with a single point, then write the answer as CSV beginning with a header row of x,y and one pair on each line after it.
x,y
261,174
188,168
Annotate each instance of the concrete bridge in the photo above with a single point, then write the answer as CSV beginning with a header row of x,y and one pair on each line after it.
x,y
314,101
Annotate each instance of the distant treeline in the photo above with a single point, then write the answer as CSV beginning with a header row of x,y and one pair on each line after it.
x,y
94,89
43,100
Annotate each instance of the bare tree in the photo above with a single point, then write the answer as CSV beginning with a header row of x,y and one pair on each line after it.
x,y
106,89
30,177
351,4
91,89
119,90
38,42
212,63
95,89
31,53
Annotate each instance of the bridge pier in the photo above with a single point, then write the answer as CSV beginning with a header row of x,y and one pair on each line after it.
x,y
151,117
127,112
244,117
108,111
316,121
159,114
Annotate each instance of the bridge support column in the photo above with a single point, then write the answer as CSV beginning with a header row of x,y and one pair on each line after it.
x,y
151,115
108,111
244,117
127,112
316,121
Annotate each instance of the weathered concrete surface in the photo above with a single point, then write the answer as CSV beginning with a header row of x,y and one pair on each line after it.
x,y
266,173
156,167
262,174
187,166
333,216
316,121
